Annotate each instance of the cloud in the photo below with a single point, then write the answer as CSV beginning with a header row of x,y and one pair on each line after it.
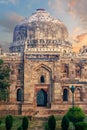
x,y
9,21
57,5
72,3
12,1
76,8
79,41
79,7
5,46
75,32
82,38
8,1
3,2
14,17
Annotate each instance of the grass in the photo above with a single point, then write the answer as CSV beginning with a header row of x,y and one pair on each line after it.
x,y
33,125
16,122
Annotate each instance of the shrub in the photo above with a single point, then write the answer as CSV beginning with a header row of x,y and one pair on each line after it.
x,y
81,126
46,127
25,123
8,122
52,122
19,128
75,114
0,122
65,123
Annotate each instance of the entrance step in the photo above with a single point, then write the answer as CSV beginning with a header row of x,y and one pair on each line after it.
x,y
42,112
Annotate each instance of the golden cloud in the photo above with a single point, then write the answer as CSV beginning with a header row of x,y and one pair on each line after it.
x,y
80,41
73,3
82,37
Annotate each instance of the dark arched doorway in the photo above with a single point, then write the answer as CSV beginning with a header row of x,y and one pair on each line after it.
x,y
41,98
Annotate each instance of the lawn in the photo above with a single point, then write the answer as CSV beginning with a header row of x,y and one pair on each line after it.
x,y
17,121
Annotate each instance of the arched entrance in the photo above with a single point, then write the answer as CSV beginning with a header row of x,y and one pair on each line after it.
x,y
41,98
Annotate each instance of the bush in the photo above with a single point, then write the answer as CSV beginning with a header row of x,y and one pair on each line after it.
x,y
8,122
0,122
52,122
81,126
75,115
46,127
25,123
19,128
65,123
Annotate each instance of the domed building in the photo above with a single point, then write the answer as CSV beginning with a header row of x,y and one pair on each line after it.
x,y
44,68
41,29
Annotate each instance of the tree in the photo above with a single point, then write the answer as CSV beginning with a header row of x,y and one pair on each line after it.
x,y
46,127
19,128
65,123
52,122
75,114
4,80
8,122
81,126
0,122
25,123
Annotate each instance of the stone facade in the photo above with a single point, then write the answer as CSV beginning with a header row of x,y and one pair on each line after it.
x,y
43,70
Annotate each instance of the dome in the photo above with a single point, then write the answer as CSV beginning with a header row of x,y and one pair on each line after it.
x,y
40,25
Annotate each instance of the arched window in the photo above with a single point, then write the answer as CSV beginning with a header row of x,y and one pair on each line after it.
x,y
19,94
65,95
42,79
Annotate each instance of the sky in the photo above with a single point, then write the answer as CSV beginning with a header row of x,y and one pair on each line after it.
x,y
73,13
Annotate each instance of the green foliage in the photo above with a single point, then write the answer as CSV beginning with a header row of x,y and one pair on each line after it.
x,y
81,126
4,94
65,123
75,114
19,128
4,80
8,122
52,122
25,123
1,61
0,122
46,127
